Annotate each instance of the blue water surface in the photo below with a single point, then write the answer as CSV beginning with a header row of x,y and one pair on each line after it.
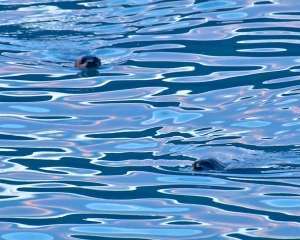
x,y
106,153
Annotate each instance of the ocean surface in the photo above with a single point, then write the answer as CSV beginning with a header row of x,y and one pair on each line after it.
x,y
107,153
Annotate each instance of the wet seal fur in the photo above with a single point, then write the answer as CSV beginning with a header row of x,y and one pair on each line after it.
x,y
88,61
208,164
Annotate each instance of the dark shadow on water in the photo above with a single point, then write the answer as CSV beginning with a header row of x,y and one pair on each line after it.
x,y
88,73
78,218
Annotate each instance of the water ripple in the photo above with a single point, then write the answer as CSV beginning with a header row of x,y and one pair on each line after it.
x,y
107,153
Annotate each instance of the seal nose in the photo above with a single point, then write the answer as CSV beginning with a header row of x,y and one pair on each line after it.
x,y
91,63
87,61
196,166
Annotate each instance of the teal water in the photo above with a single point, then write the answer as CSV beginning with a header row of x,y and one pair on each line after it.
x,y
107,153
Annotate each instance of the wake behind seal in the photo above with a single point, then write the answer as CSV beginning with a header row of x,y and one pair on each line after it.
x,y
87,62
206,164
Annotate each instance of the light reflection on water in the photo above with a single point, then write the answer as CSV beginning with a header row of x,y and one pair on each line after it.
x,y
107,153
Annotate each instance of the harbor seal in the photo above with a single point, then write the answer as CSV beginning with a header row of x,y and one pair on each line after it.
x,y
88,61
208,164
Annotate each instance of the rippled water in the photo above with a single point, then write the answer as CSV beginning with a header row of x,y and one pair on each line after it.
x,y
107,153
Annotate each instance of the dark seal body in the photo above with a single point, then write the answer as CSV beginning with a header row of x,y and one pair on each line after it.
x,y
88,61
208,164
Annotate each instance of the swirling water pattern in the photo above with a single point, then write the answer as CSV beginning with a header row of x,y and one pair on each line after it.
x,y
106,154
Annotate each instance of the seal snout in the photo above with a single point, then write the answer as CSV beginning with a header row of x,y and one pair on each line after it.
x,y
88,61
208,164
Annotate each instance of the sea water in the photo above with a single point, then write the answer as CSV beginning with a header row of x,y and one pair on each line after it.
x,y
106,153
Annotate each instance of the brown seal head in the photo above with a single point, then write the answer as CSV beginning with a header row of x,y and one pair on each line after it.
x,y
88,61
208,164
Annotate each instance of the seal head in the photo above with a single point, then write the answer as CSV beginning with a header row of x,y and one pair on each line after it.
x,y
208,164
88,61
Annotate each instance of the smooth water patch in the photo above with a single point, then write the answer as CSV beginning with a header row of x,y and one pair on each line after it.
x,y
26,235
283,203
135,146
214,5
132,208
12,126
251,124
178,117
30,109
171,232
232,16
195,180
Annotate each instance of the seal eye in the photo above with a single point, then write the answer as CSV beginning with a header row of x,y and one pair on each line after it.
x,y
83,60
96,61
197,166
